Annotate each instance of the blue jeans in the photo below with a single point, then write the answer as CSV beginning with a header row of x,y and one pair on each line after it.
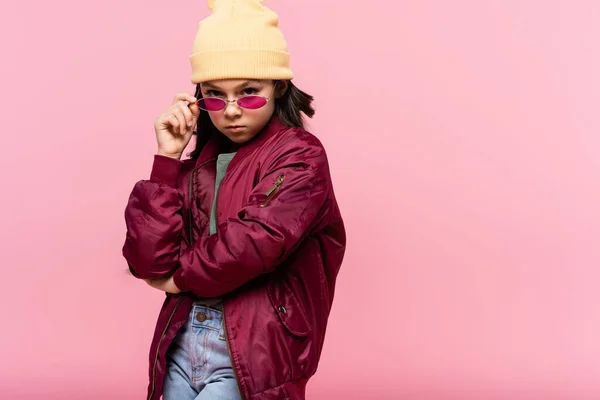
x,y
198,362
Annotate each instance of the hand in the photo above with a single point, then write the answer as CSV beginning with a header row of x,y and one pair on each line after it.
x,y
175,126
164,284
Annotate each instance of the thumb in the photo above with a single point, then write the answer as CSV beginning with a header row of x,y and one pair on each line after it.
x,y
195,110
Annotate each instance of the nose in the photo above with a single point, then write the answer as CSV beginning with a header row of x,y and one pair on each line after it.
x,y
232,110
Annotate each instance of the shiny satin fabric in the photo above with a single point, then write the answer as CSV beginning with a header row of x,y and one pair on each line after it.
x,y
274,259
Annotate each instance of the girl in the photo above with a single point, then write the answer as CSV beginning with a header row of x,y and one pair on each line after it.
x,y
245,237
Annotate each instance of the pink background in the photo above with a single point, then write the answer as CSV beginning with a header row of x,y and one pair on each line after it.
x,y
463,140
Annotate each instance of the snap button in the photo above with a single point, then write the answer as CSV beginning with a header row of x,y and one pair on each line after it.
x,y
201,317
282,310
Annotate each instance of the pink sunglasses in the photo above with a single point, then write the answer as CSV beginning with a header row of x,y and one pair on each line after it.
x,y
216,104
251,102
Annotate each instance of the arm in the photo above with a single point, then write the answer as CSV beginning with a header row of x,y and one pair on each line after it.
x,y
154,222
260,237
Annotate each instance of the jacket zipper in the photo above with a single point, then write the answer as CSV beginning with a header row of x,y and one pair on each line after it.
x,y
271,192
237,380
230,355
222,302
190,216
158,347
190,194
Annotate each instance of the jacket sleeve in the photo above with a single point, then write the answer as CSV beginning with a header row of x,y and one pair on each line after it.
x,y
265,231
154,221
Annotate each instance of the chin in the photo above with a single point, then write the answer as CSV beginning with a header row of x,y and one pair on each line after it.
x,y
239,139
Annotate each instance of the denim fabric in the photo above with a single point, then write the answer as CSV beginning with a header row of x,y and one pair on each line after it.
x,y
198,362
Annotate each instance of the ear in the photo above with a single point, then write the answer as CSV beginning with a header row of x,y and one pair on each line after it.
x,y
282,87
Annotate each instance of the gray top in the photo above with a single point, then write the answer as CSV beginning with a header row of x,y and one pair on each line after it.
x,y
223,161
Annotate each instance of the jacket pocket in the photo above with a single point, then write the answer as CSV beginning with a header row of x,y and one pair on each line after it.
x,y
288,309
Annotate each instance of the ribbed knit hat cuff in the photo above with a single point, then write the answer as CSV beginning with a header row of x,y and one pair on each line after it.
x,y
240,64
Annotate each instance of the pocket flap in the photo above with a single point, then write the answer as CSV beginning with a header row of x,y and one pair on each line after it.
x,y
288,309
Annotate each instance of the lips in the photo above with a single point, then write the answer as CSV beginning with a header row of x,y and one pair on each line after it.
x,y
235,128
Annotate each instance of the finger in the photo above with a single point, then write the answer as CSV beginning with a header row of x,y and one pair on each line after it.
x,y
187,113
155,283
184,97
171,119
164,120
181,124
195,110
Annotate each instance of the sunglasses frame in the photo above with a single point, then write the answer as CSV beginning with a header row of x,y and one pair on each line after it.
x,y
228,102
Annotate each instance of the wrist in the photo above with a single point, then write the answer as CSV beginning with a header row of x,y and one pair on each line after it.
x,y
176,156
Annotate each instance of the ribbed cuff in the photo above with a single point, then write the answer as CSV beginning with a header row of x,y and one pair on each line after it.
x,y
165,170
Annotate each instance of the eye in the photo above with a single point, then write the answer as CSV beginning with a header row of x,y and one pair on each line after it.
x,y
249,91
213,93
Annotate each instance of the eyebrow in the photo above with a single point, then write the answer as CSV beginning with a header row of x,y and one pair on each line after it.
x,y
238,87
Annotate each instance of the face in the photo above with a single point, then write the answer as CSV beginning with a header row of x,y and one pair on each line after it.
x,y
239,124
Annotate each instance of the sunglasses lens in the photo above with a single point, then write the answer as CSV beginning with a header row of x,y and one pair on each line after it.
x,y
252,102
211,104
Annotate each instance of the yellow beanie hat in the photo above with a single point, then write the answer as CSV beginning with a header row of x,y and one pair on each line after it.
x,y
240,39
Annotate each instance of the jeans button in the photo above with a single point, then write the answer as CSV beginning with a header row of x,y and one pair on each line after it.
x,y
201,317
